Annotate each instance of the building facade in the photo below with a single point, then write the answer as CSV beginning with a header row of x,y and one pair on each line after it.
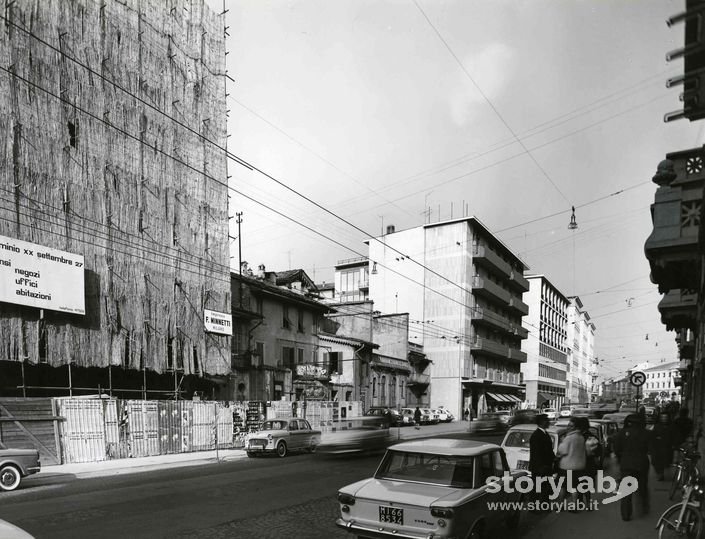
x,y
544,373
115,121
661,380
581,353
462,289
277,353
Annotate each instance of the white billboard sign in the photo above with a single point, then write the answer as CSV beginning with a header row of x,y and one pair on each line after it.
x,y
41,277
216,322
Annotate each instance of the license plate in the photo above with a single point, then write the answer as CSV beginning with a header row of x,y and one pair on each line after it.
x,y
392,515
522,465
255,444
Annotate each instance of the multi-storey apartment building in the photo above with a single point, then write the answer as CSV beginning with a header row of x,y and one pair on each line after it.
x,y
544,372
581,352
113,199
462,288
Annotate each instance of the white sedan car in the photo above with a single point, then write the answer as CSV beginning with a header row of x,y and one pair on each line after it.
x,y
280,436
516,444
437,488
552,413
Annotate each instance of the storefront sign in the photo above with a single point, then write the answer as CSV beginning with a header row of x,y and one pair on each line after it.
x,y
311,372
216,322
41,277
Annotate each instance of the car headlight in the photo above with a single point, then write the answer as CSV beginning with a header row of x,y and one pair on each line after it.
x,y
269,437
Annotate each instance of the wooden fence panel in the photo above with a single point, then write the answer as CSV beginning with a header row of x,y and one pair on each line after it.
x,y
31,423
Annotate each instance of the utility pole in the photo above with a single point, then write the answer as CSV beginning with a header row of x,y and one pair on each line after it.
x,y
239,254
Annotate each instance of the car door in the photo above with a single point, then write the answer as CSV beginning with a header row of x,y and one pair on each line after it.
x,y
306,433
294,435
488,465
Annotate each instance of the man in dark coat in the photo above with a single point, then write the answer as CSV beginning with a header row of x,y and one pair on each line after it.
x,y
541,456
631,446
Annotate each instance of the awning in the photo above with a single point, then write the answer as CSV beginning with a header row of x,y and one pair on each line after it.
x,y
542,397
503,397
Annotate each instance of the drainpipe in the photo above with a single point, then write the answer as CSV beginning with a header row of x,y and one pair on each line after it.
x,y
356,373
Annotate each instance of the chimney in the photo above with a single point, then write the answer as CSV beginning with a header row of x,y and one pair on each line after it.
x,y
243,267
261,274
390,229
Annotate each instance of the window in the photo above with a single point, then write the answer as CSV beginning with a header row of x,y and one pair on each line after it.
x,y
300,355
286,324
334,361
374,387
383,387
196,366
294,425
260,352
259,306
288,357
300,321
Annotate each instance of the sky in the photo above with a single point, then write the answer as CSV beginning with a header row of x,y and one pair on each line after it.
x,y
362,114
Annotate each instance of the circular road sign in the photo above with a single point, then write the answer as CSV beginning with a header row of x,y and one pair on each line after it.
x,y
637,378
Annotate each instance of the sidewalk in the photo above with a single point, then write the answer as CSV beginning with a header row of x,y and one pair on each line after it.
x,y
178,460
606,522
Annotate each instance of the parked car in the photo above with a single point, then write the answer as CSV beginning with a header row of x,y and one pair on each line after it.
x,y
407,415
434,418
431,488
487,423
449,416
585,412
355,435
16,464
609,428
442,415
392,416
552,413
617,417
280,436
524,416
516,444
425,416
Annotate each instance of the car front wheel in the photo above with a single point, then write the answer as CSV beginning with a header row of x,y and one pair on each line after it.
x,y
10,477
281,449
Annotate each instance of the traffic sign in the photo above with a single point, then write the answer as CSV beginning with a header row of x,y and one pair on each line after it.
x,y
637,378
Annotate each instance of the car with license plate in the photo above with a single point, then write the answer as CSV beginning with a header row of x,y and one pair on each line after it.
x,y
16,464
355,435
432,488
282,436
442,415
487,423
516,444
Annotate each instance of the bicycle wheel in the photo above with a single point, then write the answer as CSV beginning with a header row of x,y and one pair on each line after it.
x,y
691,526
676,483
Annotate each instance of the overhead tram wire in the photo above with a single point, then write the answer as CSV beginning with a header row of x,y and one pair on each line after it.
x,y
243,162
204,174
492,106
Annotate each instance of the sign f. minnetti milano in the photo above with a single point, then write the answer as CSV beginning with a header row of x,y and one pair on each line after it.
x,y
41,277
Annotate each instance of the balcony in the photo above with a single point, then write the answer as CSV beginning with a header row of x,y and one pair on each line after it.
x,y
679,309
418,360
489,347
518,305
418,379
517,355
518,281
672,247
520,331
486,257
492,319
489,290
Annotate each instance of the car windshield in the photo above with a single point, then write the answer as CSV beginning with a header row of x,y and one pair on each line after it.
x,y
274,425
444,470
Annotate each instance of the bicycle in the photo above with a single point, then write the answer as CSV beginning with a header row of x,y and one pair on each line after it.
x,y
684,469
684,519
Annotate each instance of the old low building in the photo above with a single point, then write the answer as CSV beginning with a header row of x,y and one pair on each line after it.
x,y
276,353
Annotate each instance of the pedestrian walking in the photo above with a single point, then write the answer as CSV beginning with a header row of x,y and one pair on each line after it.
x,y
571,454
631,446
417,416
541,456
593,453
662,444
